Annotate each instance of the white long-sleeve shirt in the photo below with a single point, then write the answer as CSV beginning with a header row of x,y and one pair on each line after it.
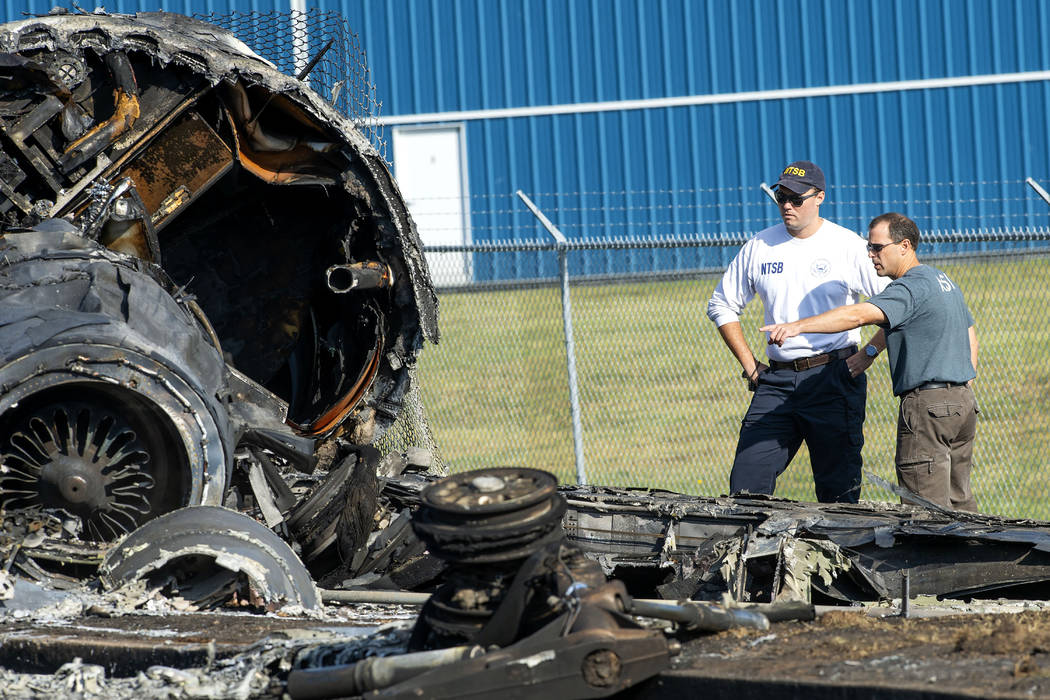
x,y
796,278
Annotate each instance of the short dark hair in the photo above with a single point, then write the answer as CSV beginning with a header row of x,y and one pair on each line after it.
x,y
900,226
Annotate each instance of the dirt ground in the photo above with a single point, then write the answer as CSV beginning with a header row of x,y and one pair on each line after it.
x,y
979,655
842,655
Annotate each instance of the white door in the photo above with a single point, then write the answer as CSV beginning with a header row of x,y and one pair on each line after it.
x,y
429,164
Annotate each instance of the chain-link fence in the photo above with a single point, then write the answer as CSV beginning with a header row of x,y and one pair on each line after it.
x,y
319,46
660,395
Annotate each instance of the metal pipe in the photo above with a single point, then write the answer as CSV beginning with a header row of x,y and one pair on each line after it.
x,y
348,277
784,610
570,346
377,597
372,673
774,612
699,616
906,593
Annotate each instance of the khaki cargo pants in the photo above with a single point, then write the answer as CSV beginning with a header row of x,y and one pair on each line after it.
x,y
935,431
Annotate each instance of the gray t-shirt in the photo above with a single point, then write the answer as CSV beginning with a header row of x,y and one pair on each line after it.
x,y
927,334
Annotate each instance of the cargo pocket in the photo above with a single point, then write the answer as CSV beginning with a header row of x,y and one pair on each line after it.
x,y
916,475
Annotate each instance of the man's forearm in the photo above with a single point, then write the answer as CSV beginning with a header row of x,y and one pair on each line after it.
x,y
733,335
843,318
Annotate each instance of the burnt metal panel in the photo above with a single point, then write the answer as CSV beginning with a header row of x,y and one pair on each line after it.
x,y
179,166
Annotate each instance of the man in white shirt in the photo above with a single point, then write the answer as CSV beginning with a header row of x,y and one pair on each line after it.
x,y
814,387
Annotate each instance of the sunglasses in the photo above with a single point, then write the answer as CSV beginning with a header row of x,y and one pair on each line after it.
x,y
796,200
877,247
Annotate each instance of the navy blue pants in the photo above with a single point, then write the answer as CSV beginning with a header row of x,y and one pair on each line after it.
x,y
823,406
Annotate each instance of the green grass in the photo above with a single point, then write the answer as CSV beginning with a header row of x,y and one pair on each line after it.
x,y
662,399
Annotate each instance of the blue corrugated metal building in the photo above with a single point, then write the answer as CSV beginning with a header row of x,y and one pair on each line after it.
x,y
661,117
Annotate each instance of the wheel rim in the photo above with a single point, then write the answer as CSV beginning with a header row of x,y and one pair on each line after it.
x,y
108,458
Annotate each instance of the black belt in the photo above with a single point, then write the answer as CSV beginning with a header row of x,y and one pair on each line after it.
x,y
937,385
804,363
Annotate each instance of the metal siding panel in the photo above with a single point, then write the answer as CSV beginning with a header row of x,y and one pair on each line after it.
x,y
444,70
818,71
426,53
558,40
644,186
744,68
836,123
934,43
671,125
599,29
513,60
416,57
1029,25
629,66
397,62
581,52
470,78
489,54
530,69
460,59
999,125
1022,47
603,40
537,144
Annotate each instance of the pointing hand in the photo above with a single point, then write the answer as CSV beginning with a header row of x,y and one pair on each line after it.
x,y
779,332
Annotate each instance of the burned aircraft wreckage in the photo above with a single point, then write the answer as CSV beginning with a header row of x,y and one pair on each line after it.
x,y
211,299
200,256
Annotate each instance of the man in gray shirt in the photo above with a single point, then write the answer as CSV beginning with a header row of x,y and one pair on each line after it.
x,y
932,348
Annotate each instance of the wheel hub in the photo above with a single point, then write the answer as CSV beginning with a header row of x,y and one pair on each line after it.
x,y
75,482
83,458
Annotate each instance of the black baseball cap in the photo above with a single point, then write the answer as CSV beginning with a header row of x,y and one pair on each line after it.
x,y
800,176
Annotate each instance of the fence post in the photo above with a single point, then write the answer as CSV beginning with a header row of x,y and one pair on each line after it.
x,y
1038,190
769,193
570,346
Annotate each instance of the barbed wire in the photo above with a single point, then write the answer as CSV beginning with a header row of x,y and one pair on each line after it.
x,y
529,223
704,240
739,188
756,204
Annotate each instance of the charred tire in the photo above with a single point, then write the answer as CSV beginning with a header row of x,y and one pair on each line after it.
x,y
487,492
312,520
479,543
490,515
108,434
109,387
235,541
335,518
449,618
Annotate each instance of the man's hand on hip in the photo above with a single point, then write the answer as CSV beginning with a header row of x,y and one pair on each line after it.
x,y
752,374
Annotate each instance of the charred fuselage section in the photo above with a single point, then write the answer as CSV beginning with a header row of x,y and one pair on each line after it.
x,y
200,254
